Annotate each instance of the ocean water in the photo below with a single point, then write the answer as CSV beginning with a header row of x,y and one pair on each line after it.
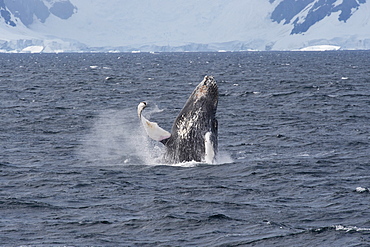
x,y
293,169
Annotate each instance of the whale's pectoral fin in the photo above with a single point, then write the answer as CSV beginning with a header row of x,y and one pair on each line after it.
x,y
209,145
152,129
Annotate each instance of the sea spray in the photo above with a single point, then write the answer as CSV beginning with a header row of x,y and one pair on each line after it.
x,y
116,138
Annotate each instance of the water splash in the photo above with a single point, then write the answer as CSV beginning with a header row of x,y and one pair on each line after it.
x,y
117,138
223,157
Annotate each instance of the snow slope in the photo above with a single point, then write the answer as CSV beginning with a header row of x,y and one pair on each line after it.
x,y
163,23
178,25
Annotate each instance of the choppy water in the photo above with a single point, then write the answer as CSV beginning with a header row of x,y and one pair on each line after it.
x,y
76,169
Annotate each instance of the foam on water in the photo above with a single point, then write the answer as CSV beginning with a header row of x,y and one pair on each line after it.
x,y
361,189
351,228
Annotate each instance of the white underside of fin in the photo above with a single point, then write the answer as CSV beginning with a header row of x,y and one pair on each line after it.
x,y
152,129
209,154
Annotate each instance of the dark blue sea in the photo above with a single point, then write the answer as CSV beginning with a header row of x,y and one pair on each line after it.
x,y
293,169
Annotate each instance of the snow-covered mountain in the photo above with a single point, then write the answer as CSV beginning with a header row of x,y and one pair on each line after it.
x,y
178,25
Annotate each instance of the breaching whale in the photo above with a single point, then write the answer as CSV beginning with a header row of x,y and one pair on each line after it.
x,y
194,133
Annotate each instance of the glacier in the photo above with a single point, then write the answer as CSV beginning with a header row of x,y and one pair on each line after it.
x,y
177,25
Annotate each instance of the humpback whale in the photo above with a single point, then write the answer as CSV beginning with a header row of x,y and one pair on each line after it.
x,y
194,133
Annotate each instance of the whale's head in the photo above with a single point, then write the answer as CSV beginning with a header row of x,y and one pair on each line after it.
x,y
206,92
